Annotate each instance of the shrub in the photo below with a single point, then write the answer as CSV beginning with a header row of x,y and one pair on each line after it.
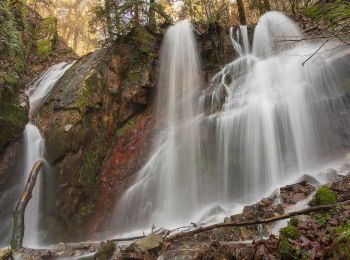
x,y
289,232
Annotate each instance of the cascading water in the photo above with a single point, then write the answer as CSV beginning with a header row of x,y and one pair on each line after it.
x,y
266,117
166,186
276,114
33,150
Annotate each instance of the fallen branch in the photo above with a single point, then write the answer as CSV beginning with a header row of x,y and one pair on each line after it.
x,y
258,221
126,238
18,214
316,51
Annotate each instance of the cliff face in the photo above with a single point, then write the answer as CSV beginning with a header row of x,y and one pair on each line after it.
x,y
92,109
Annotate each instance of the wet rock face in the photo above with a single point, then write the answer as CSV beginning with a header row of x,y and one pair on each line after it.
x,y
291,194
342,187
90,109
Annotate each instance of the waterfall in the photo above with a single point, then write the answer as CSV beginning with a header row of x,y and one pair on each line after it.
x,y
34,150
265,118
165,189
275,119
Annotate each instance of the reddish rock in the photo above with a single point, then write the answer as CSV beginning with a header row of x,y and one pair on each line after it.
x,y
126,158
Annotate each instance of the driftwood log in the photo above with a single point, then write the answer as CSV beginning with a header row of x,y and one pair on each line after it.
x,y
18,214
256,221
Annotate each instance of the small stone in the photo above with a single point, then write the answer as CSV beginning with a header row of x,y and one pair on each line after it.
x,y
61,247
78,253
5,253
92,248
68,127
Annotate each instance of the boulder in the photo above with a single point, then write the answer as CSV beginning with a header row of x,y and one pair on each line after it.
x,y
342,187
88,110
151,243
291,194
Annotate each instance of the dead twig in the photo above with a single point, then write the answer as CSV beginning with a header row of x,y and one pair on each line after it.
x,y
318,49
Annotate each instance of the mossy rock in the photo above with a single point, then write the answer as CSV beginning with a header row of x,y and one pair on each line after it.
x,y
323,196
150,243
106,251
43,48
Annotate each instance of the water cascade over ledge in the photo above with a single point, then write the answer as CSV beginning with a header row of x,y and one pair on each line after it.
x,y
34,149
265,118
165,187
34,146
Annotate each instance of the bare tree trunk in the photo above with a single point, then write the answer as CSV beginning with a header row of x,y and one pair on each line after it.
x,y
241,12
293,7
267,5
18,214
108,10
137,14
152,15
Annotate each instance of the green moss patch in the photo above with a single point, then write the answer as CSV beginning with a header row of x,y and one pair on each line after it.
x,y
106,251
331,12
323,196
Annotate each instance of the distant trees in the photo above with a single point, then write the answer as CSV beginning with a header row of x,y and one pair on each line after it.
x,y
241,12
109,18
120,16
73,17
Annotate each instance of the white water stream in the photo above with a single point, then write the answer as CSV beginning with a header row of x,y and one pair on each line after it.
x,y
34,146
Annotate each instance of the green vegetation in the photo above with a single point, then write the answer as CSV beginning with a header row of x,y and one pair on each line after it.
x,y
341,245
323,196
332,12
289,232
84,96
43,48
285,250
10,39
46,35
126,126
106,251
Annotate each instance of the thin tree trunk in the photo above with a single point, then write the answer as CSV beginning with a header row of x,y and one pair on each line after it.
x,y
18,214
292,5
152,15
241,12
267,5
137,14
108,10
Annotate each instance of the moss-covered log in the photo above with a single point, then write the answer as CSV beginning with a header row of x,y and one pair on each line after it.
x,y
18,214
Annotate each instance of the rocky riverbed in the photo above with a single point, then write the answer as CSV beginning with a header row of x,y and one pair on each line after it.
x,y
316,235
